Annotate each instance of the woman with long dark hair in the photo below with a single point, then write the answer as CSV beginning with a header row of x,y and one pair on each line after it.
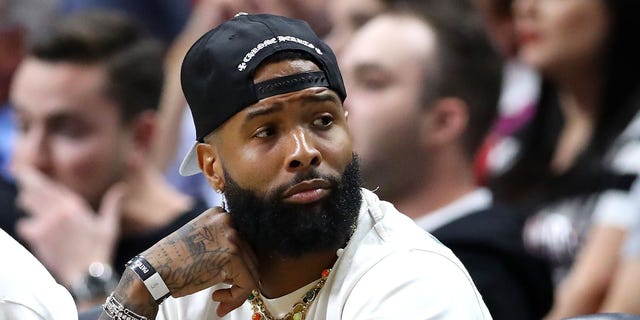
x,y
575,161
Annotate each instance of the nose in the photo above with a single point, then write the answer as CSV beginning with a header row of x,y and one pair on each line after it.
x,y
304,154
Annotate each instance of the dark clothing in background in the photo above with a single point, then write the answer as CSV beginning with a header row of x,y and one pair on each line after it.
x,y
513,283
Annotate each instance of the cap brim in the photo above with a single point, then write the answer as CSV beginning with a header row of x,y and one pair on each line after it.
x,y
189,165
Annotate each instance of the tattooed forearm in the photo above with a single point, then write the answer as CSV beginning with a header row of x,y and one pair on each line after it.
x,y
201,254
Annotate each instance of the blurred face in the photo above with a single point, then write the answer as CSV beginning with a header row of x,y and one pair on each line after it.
x,y
498,20
347,16
559,34
384,66
289,175
68,129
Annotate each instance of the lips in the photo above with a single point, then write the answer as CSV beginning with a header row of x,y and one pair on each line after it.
x,y
528,36
308,191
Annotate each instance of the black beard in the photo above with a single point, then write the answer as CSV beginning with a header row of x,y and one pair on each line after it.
x,y
270,225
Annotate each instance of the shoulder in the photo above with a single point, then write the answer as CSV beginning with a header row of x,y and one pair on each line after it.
x,y
27,288
394,261
385,234
415,283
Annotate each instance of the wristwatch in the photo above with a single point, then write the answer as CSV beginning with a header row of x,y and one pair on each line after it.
x,y
98,283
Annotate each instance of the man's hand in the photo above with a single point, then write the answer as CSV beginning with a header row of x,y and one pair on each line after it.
x,y
205,252
62,229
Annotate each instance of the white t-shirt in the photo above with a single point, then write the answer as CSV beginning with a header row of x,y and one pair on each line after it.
x,y
27,290
391,269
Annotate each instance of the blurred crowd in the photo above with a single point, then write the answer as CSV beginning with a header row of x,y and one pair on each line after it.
x,y
508,129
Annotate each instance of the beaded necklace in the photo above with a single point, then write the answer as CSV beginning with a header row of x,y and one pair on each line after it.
x,y
299,309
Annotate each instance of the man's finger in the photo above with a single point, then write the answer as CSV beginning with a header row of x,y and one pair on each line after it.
x,y
230,299
37,191
28,177
35,205
110,206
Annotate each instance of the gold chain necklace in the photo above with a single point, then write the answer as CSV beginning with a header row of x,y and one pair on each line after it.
x,y
299,309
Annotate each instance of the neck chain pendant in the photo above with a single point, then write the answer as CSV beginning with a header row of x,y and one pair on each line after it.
x,y
298,310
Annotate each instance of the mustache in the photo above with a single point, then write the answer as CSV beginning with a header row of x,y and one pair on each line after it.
x,y
304,176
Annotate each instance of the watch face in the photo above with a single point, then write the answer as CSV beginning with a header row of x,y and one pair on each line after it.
x,y
96,284
99,286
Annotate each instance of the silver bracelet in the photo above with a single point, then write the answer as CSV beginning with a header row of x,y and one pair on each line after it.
x,y
115,310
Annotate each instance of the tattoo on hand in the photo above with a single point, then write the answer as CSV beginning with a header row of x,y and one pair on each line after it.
x,y
205,261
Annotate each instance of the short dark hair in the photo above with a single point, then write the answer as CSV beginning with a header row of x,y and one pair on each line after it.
x,y
467,66
132,59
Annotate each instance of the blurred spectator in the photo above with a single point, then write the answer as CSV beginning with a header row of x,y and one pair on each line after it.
x,y
573,164
423,86
520,85
18,18
85,98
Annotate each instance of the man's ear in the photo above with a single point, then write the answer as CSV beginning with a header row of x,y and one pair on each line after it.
x,y
211,166
445,122
142,130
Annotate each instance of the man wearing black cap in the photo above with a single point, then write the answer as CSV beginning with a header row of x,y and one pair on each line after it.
x,y
298,238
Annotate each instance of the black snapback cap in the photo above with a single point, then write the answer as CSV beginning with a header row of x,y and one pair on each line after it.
x,y
217,72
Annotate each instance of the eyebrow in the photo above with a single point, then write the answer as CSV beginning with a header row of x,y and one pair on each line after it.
x,y
273,108
277,106
60,118
322,98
